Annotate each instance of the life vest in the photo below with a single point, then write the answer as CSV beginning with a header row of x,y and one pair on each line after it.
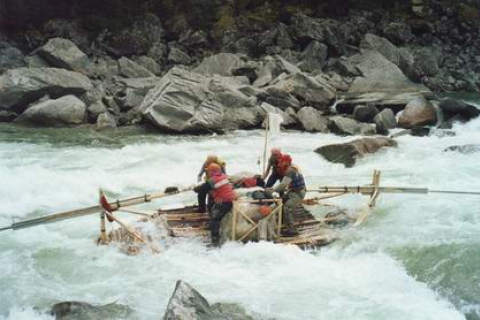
x,y
222,189
298,182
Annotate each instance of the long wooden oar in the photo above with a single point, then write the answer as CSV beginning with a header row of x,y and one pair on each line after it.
x,y
368,189
90,210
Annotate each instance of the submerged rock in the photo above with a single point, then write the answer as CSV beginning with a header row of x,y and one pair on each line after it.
x,y
74,310
348,153
187,303
465,149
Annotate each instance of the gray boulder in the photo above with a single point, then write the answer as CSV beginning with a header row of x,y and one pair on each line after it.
x,y
316,92
282,99
130,69
106,121
312,120
402,58
364,113
220,64
348,153
7,116
185,101
465,149
149,64
385,120
63,53
398,32
96,109
344,126
427,61
418,112
314,57
272,68
382,83
452,107
178,56
10,57
67,110
74,310
35,61
25,85
187,303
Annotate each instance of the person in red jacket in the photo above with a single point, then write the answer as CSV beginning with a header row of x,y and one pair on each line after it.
x,y
219,188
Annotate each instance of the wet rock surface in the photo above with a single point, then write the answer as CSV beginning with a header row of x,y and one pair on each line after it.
x,y
75,310
348,153
187,303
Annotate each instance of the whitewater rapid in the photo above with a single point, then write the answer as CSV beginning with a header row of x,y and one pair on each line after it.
x,y
416,257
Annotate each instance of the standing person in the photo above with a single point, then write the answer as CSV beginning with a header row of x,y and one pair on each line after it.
x,y
202,194
294,185
223,195
275,165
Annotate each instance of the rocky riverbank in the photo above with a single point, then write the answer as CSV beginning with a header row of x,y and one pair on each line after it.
x,y
215,67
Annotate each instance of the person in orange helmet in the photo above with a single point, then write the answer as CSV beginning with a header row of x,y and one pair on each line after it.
x,y
202,194
223,195
275,166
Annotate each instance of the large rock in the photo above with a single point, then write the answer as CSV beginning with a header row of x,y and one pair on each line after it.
x,y
385,120
75,310
382,83
150,64
349,153
25,85
418,112
10,57
272,68
106,121
346,126
315,92
221,64
131,69
312,120
314,57
364,113
187,303
282,99
68,110
63,53
185,101
452,107
402,58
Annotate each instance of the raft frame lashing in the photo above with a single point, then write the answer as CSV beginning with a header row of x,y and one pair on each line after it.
x,y
103,239
276,212
373,198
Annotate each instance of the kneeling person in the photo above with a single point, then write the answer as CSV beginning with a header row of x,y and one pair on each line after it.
x,y
223,196
294,183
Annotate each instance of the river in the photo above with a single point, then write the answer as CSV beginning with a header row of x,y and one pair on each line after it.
x,y
416,257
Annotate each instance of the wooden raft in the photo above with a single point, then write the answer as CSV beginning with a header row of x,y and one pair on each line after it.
x,y
185,222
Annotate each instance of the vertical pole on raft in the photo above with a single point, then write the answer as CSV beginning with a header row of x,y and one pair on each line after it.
x,y
267,128
234,221
280,213
103,229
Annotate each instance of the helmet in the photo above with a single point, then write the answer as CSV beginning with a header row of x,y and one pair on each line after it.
x,y
276,151
286,159
213,167
212,158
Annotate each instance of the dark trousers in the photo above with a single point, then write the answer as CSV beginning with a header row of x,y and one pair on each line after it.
x,y
202,199
219,211
272,179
